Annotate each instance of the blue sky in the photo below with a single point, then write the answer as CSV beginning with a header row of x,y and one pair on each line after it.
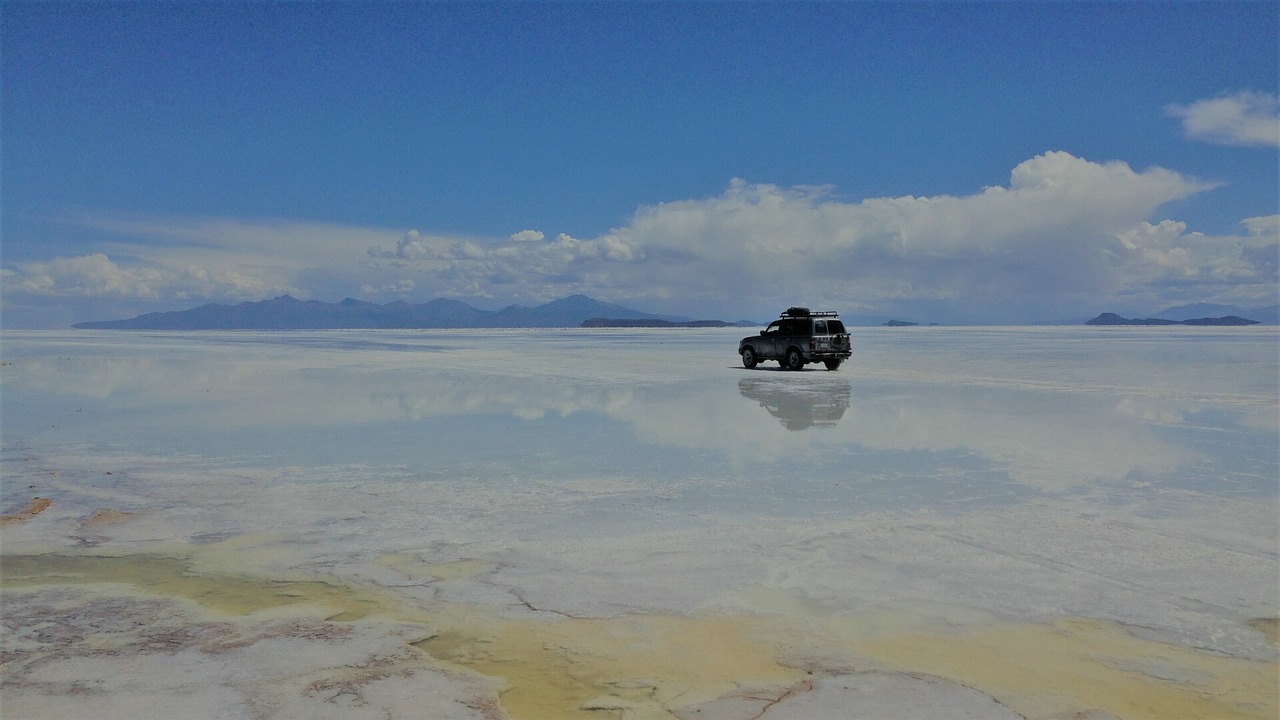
x,y
1006,162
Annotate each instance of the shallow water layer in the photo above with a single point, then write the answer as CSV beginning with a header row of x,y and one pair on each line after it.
x,y
963,522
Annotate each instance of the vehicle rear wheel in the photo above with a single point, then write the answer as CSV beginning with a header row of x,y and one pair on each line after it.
x,y
749,358
832,364
795,361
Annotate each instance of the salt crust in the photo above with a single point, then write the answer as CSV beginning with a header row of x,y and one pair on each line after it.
x,y
879,695
88,652
1126,490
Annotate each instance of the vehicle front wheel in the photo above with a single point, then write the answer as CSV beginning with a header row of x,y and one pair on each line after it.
x,y
832,364
795,361
749,359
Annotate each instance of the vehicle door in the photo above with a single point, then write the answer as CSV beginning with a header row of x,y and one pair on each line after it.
x,y
794,332
767,346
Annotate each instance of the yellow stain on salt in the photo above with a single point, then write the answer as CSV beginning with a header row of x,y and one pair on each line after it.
x,y
224,593
552,668
1269,627
412,567
1069,667
647,665
644,665
250,553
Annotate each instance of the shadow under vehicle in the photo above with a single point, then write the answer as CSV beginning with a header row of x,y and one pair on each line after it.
x,y
797,338
799,408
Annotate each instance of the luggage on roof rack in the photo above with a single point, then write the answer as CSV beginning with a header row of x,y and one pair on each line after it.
x,y
799,312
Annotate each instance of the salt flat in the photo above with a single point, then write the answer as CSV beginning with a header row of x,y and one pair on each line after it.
x,y
960,522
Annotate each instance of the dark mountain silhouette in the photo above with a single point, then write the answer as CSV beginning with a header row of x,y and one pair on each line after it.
x,y
1114,319
1269,315
289,313
1227,320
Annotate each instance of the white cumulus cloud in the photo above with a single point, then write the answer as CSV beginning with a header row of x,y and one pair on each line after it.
x,y
1063,235
1243,118
1167,252
97,276
528,236
1064,232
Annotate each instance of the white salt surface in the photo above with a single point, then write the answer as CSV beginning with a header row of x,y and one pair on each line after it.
x,y
943,479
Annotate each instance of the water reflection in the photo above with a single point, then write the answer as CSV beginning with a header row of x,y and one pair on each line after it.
x,y
1036,416
799,408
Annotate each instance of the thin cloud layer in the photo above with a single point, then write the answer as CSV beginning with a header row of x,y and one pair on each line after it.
x,y
1244,118
1065,236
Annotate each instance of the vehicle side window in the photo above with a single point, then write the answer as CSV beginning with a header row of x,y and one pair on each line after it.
x,y
773,328
819,327
793,327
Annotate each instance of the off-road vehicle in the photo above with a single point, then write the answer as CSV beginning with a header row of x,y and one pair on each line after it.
x,y
798,337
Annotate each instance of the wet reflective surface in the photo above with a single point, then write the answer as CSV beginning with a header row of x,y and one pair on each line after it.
x,y
1051,410
949,477
799,408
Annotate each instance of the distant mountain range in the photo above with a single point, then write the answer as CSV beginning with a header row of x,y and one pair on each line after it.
x,y
1269,315
1114,319
289,313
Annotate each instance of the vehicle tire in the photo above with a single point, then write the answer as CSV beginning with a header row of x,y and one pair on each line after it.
x,y
795,361
832,364
749,358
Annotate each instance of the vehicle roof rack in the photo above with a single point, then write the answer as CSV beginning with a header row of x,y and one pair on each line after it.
x,y
799,312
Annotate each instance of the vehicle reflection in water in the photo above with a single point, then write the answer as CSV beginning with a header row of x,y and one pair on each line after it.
x,y
1154,409
799,408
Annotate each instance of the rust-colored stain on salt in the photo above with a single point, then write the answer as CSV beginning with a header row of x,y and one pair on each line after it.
x,y
32,509
106,517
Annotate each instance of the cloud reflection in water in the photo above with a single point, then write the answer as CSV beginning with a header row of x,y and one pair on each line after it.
x,y
427,398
